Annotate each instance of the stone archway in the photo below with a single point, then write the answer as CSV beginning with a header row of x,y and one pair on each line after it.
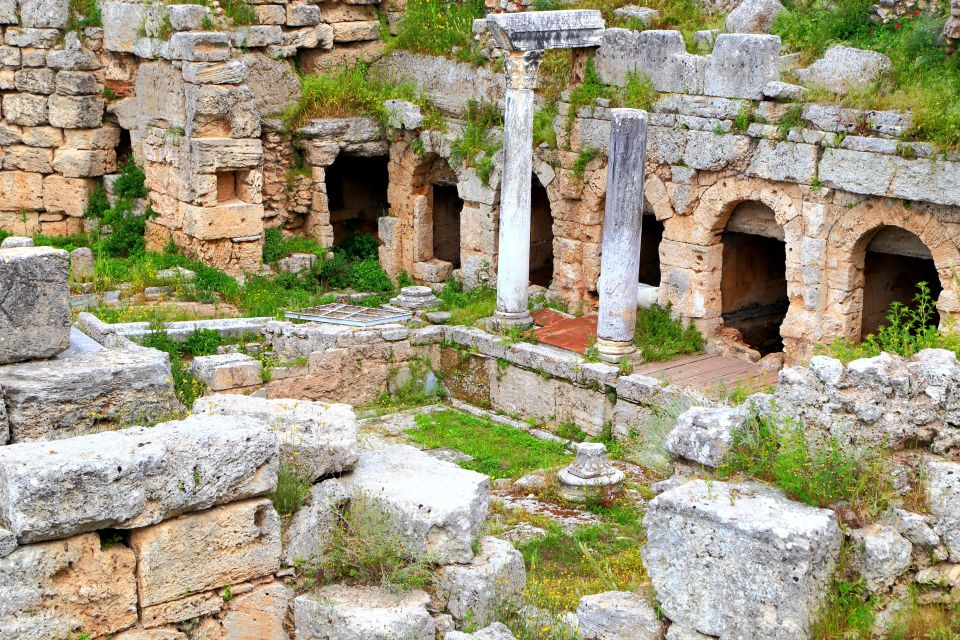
x,y
541,235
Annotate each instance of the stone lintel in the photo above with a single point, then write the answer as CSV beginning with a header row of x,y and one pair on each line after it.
x,y
538,30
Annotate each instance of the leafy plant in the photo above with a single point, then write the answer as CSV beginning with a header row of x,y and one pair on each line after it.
x,y
543,131
476,146
585,157
659,336
203,342
292,490
83,14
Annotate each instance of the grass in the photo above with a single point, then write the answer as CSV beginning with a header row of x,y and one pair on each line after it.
x,y
659,336
83,14
292,490
353,91
543,131
924,79
185,385
476,146
908,330
497,450
466,307
585,157
821,474
442,28
645,447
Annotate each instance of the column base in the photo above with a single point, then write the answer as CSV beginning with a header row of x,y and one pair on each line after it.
x,y
613,351
508,319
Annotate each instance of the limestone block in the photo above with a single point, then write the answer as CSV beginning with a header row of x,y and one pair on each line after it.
x,y
274,83
739,560
659,55
705,434
302,15
270,14
231,72
53,14
133,477
8,542
69,195
741,65
30,37
784,162
320,439
711,151
76,83
259,615
617,615
493,582
59,589
220,110
206,550
188,17
151,634
309,532
880,554
943,495
342,613
204,46
32,159
81,264
356,31
343,12
25,109
21,191
187,607
35,322
37,81
76,112
257,36
84,163
916,528
844,68
316,37
524,392
210,155
227,371
436,507
10,57
496,631
8,12
753,16
103,138
235,220
72,56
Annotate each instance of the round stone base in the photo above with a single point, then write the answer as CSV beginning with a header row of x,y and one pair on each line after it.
x,y
613,350
507,319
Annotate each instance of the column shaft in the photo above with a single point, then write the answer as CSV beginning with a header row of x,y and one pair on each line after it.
x,y
620,257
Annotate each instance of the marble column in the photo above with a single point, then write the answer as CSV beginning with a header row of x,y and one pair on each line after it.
x,y
620,257
513,262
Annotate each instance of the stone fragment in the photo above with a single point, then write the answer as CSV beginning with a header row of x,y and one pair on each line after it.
x,y
274,83
14,242
741,65
259,615
34,303
25,109
302,15
776,90
739,560
44,13
705,434
151,634
318,438
496,631
202,551
844,68
548,30
403,115
309,531
436,507
60,589
188,17
753,16
881,554
943,495
915,528
297,263
86,392
617,615
227,371
81,264
8,542
231,72
133,477
339,612
415,298
204,46
644,15
77,83
493,582
656,54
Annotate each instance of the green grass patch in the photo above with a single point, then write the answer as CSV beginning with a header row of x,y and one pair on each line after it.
x,y
543,131
83,14
276,245
466,307
497,450
479,141
660,336
821,474
441,28
292,490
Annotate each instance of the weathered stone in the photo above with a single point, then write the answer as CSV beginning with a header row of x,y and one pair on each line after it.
x,y
59,589
844,68
207,46
274,82
493,582
230,220
943,495
30,159
31,37
297,262
256,36
259,615
881,554
777,90
784,162
8,12
231,72
81,264
72,56
133,477
658,55
617,615
547,30
44,13
121,24
302,15
739,560
496,631
916,528
14,242
436,506
8,542
76,83
35,318
753,16
210,155
343,613
188,17
403,115
39,81
741,65
25,109
86,392
319,439
644,15
202,551
227,371
309,531
82,163
69,195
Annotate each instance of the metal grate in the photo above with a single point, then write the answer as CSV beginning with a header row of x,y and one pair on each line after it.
x,y
349,314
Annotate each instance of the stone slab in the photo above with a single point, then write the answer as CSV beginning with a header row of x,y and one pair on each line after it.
x,y
34,303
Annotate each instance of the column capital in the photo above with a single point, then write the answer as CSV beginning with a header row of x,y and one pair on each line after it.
x,y
521,68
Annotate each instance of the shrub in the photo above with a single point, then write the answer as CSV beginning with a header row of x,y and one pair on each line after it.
x,y
203,342
639,92
441,28
239,12
126,228
276,246
358,246
368,275
466,307
292,490
586,156
83,14
476,146
543,131
661,337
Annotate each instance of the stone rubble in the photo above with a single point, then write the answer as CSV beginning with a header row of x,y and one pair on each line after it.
x,y
617,615
34,311
343,613
493,582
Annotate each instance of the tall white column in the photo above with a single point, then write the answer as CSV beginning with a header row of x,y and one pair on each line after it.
x,y
513,262
620,257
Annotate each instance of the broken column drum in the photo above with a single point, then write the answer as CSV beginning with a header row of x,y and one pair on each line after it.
x,y
622,226
590,473
525,36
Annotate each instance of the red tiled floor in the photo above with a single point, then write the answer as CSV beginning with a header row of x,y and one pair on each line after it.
x,y
547,316
575,334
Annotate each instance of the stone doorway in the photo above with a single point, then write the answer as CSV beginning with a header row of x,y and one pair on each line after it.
x,y
894,263
650,237
447,207
541,235
753,287
356,194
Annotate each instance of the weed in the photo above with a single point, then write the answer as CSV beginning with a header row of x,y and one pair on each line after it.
x,y
745,117
83,14
792,118
660,337
497,450
645,448
203,342
126,228
441,28
466,307
586,156
570,431
543,131
292,490
476,146
638,92
239,12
